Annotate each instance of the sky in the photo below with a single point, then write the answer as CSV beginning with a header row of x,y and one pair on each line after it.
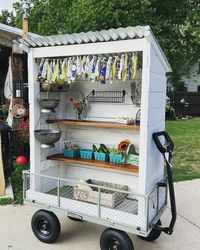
x,y
6,4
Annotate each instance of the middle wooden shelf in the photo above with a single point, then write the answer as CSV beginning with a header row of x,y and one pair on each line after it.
x,y
99,164
101,124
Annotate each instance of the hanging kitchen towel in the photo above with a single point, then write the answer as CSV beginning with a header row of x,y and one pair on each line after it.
x,y
8,91
69,70
114,69
2,179
8,86
63,71
125,68
97,68
109,68
103,71
74,70
40,69
134,65
78,64
55,76
120,67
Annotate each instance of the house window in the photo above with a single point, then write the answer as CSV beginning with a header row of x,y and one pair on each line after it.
x,y
198,88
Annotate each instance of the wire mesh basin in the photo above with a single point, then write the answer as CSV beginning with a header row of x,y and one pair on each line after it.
x,y
48,103
130,209
47,137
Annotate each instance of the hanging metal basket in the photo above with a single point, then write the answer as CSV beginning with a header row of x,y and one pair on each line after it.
x,y
48,103
47,137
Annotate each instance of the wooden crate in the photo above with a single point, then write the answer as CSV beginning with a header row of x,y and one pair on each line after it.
x,y
108,198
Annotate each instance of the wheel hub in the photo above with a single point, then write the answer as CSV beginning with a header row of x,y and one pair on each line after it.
x,y
113,244
44,227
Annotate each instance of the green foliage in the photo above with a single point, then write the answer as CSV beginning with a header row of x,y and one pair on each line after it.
x,y
5,201
7,17
176,24
17,182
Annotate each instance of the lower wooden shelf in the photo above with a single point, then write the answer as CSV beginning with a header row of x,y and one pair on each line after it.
x,y
99,164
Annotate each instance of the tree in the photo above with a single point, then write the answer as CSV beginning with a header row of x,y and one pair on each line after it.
x,y
174,23
7,17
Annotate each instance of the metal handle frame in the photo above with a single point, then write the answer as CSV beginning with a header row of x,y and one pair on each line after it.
x,y
167,153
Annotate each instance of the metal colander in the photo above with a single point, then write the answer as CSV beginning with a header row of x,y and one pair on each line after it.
x,y
48,103
47,136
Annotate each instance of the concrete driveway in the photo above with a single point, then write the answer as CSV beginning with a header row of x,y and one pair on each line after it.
x,y
16,234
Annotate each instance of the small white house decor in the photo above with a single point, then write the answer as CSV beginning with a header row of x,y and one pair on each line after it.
x,y
122,72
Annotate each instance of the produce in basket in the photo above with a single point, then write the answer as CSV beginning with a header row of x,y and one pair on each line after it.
x,y
102,149
72,146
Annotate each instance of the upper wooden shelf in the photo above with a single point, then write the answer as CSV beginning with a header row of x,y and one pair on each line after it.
x,y
93,163
94,124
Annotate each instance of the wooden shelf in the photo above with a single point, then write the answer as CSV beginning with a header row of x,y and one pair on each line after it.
x,y
94,124
93,163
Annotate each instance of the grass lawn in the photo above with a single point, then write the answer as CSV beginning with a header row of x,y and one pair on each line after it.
x,y
186,137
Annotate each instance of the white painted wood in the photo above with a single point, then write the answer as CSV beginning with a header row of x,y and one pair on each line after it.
x,y
152,113
86,137
157,100
144,119
152,163
34,112
155,116
158,83
159,52
90,49
112,176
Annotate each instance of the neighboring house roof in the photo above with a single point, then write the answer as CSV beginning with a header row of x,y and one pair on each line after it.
x,y
8,34
96,36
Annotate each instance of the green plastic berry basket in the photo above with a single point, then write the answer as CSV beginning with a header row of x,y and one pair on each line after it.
x,y
86,154
100,156
71,153
116,158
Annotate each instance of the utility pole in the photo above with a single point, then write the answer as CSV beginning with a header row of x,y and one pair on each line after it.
x,y
25,19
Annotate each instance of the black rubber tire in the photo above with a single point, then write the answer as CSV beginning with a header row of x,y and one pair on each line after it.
x,y
112,239
74,219
45,226
154,234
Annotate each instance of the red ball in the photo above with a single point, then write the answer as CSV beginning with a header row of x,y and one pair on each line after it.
x,y
21,160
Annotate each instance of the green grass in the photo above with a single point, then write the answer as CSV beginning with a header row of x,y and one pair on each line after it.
x,y
5,201
186,137
17,182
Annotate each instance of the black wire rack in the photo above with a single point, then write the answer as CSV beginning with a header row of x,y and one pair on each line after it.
x,y
107,96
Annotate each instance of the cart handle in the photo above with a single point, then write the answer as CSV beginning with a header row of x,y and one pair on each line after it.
x,y
169,143
167,153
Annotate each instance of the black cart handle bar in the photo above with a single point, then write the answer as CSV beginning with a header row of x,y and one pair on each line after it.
x,y
167,153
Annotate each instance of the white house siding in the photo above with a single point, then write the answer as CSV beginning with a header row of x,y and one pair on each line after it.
x,y
192,79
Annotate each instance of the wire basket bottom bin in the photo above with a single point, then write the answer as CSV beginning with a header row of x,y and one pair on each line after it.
x,y
106,202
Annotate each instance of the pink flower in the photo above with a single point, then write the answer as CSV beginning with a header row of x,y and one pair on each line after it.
x,y
71,99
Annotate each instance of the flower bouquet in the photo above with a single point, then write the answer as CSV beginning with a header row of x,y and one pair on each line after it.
x,y
79,106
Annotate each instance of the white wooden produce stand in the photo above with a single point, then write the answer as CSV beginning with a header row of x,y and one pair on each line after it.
x,y
45,173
